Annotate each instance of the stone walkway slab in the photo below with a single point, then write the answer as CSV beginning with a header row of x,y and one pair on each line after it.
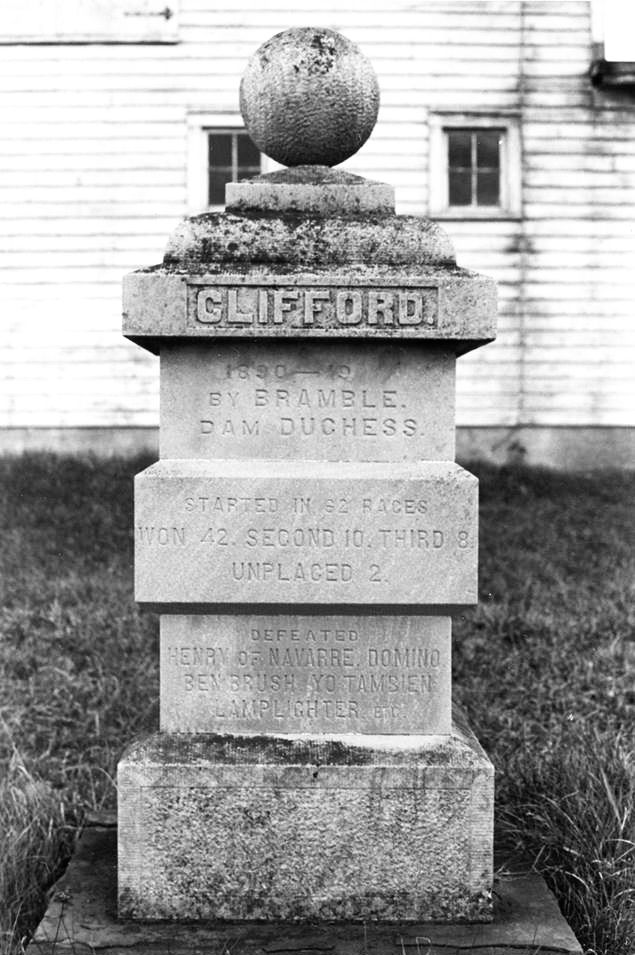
x,y
81,919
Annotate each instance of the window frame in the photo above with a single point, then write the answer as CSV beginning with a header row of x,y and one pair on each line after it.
x,y
234,165
510,177
199,125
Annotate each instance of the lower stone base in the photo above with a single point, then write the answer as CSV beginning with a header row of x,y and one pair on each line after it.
x,y
391,828
81,918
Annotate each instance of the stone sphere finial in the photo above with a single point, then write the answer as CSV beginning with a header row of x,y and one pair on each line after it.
x,y
309,97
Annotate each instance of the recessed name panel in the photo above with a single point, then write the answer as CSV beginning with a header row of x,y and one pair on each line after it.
x,y
228,306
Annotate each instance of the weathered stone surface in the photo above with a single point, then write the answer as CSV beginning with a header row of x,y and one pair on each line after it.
x,y
305,674
313,534
81,917
305,537
309,95
431,305
306,242
288,400
396,828
310,190
322,306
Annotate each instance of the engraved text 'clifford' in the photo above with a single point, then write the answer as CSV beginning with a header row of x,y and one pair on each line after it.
x,y
226,306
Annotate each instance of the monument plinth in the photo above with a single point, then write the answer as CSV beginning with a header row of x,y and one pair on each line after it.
x,y
306,536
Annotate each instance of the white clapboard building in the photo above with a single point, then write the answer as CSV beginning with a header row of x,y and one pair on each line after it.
x,y
511,122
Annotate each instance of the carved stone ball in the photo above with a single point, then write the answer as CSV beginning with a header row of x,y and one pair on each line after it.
x,y
309,97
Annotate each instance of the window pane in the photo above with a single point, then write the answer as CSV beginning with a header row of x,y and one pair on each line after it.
x,y
460,187
487,148
459,149
248,153
488,188
218,177
221,162
220,149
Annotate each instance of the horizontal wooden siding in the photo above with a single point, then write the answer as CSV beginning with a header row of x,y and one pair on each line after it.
x,y
93,178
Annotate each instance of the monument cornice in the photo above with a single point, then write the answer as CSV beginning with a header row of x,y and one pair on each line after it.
x,y
297,239
451,306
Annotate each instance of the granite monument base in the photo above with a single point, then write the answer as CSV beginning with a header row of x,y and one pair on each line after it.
x,y
297,828
81,918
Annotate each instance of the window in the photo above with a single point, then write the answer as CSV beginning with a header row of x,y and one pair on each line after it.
x,y
231,156
474,166
219,151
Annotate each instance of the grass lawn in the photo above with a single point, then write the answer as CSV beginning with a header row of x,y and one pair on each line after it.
x,y
542,667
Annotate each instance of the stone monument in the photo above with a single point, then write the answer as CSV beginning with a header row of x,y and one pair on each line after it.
x,y
306,536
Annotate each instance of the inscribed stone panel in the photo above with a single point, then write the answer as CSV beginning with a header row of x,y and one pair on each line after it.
x,y
337,402
305,674
312,535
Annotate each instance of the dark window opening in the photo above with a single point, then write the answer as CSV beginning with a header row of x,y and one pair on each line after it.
x,y
474,167
231,156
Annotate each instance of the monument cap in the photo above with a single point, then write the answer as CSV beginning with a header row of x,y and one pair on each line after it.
x,y
309,96
309,251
